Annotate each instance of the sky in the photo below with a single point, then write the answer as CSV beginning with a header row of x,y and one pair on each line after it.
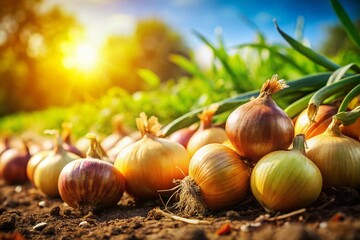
x,y
103,17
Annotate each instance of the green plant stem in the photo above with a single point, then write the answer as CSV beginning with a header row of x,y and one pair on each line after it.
x,y
349,27
348,118
303,85
298,106
299,143
327,91
348,98
308,52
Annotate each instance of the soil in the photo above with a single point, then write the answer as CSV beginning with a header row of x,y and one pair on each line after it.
x,y
27,214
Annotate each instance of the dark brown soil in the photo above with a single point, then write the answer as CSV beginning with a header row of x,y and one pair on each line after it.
x,y
26,214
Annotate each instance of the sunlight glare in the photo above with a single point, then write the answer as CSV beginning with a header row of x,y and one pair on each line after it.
x,y
84,57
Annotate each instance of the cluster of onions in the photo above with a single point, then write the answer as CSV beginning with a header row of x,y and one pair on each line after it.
x,y
91,183
260,126
218,179
320,123
286,180
13,162
151,163
45,168
336,155
206,133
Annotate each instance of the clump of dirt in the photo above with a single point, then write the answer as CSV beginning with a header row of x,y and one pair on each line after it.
x,y
27,214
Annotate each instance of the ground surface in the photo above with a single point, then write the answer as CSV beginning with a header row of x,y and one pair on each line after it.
x,y
26,214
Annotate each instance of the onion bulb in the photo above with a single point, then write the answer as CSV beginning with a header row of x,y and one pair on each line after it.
x,y
47,172
322,121
91,183
206,133
352,130
5,144
67,143
183,135
286,180
337,156
13,164
218,179
34,162
151,163
121,144
260,126
119,131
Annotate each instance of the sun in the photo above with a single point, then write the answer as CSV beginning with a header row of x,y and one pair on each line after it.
x,y
82,56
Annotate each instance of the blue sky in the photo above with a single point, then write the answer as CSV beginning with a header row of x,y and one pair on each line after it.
x,y
104,17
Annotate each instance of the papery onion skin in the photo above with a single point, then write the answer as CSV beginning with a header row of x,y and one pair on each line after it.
x,y
47,172
260,126
151,164
285,181
322,121
352,130
91,183
34,162
13,164
183,135
204,137
337,156
266,128
223,178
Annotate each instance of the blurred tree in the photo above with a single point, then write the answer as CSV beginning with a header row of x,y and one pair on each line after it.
x,y
35,42
157,42
149,47
30,51
337,44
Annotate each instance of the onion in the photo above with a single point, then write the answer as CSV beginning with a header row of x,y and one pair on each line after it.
x,y
5,145
151,163
336,155
218,179
286,180
67,143
206,133
91,183
13,164
183,135
121,144
47,172
260,126
119,131
352,130
34,162
322,121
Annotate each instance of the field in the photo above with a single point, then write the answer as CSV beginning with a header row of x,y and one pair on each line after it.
x,y
334,216
234,78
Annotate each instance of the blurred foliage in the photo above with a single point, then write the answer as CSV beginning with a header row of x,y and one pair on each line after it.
x,y
154,73
148,48
339,46
35,44
30,47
